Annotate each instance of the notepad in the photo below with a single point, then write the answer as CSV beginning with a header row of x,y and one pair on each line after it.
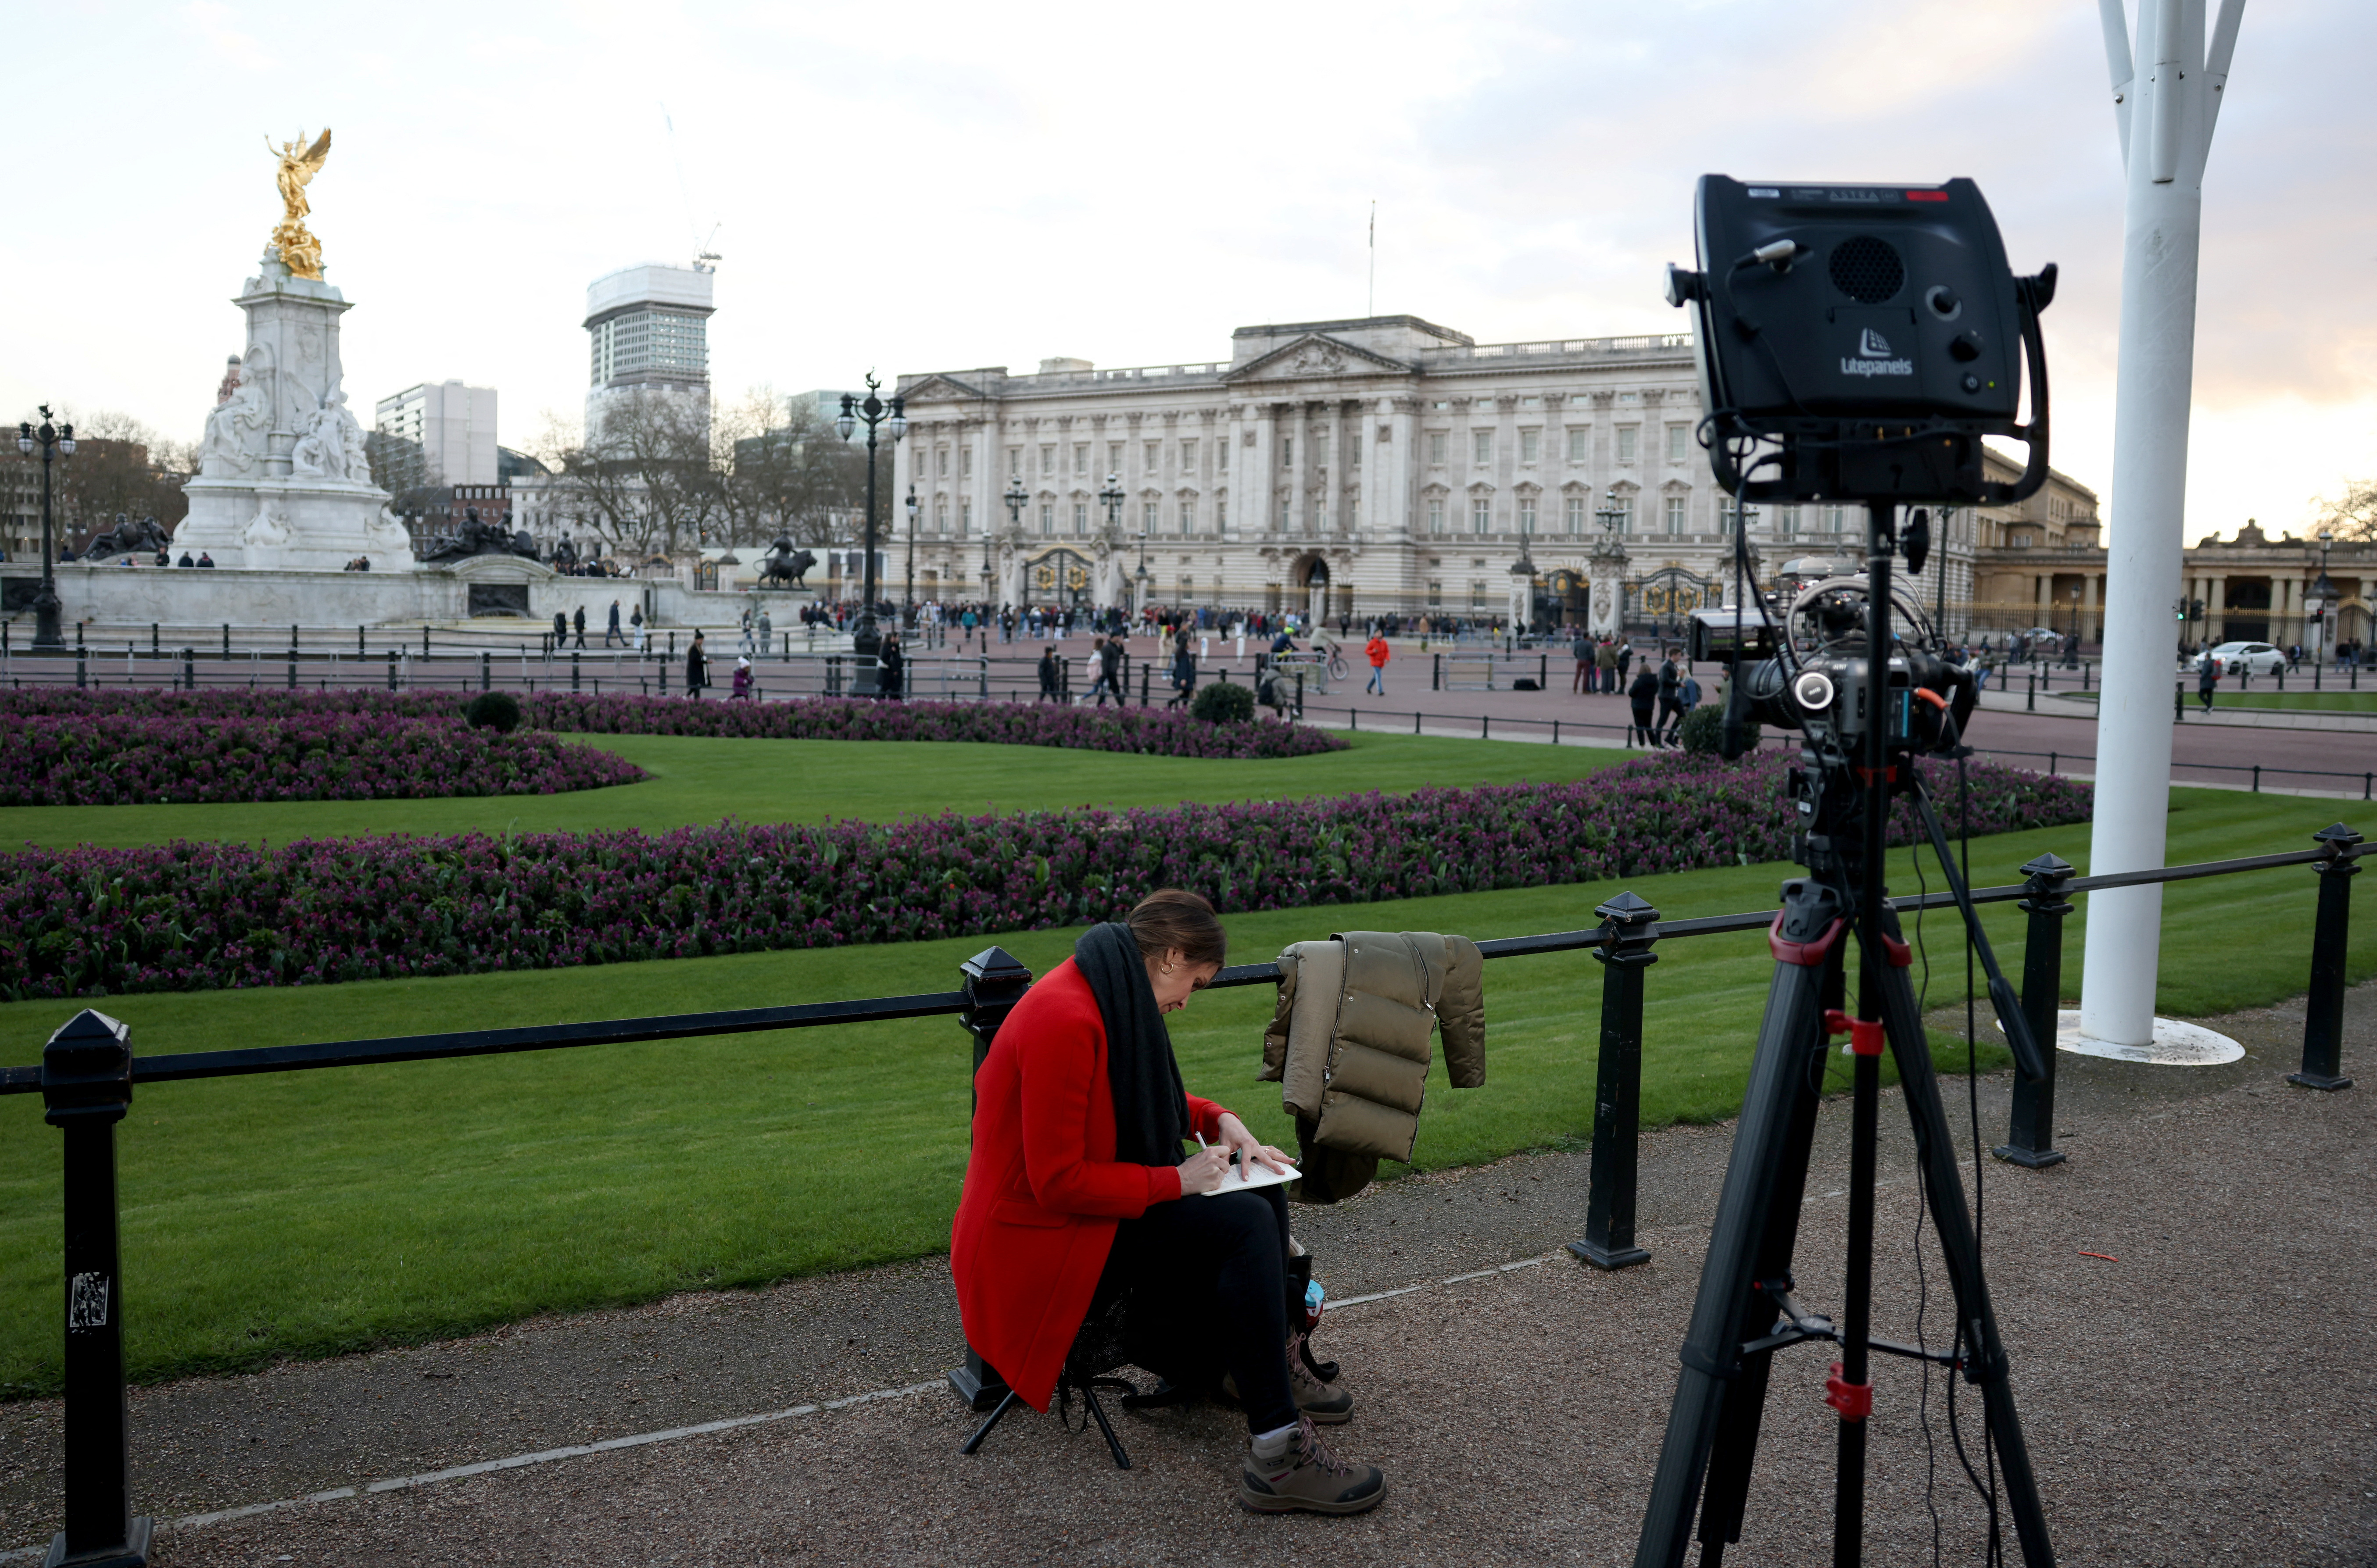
x,y
1241,1179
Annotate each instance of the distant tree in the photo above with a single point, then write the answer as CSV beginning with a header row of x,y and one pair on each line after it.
x,y
642,483
2352,515
120,467
785,470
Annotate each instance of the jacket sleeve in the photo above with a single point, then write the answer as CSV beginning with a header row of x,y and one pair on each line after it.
x,y
1055,1065
1461,1012
1275,1037
1205,1120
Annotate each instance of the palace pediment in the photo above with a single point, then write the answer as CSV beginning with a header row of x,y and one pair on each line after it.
x,y
941,386
1315,357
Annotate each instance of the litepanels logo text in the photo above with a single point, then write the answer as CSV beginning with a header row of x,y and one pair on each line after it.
x,y
1874,358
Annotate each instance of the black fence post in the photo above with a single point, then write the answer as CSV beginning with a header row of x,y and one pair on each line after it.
x,y
573,670
359,639
152,638
2030,1132
2030,698
293,669
993,982
2323,1016
1435,672
486,671
424,639
391,670
82,668
87,1088
1630,926
189,670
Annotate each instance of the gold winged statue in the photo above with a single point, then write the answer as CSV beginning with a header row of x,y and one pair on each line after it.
x,y
300,251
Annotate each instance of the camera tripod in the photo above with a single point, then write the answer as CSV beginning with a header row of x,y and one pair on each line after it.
x,y
1745,1310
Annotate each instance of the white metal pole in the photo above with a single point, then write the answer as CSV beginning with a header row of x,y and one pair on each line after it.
x,y
2172,106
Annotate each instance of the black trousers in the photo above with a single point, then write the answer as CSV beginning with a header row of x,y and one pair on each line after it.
x,y
1209,1294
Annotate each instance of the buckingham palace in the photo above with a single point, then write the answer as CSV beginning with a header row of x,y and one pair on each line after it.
x,y
1359,467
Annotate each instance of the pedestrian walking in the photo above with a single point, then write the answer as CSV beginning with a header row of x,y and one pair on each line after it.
x,y
1052,676
1671,700
560,631
742,687
1641,695
1376,651
1184,672
581,625
767,631
891,668
697,666
1580,648
1605,665
2207,678
611,633
1110,674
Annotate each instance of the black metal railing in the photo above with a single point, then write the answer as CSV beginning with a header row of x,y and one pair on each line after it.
x,y
89,1070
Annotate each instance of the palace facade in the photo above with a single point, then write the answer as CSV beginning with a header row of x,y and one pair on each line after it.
x,y
1364,467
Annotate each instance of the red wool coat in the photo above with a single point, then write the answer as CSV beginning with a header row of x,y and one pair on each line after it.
x,y
1042,1189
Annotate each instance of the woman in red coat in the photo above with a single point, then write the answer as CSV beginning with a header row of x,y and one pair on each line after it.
x,y
1078,1184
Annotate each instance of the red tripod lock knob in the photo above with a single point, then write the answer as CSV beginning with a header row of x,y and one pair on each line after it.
x,y
1865,1034
1853,1400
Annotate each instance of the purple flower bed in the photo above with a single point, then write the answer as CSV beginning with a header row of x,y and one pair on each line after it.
x,y
1148,732
188,916
132,758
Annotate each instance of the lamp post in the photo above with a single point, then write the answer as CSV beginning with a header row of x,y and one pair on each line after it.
x,y
908,593
1142,579
56,440
2072,657
872,412
1113,497
1017,498
2321,601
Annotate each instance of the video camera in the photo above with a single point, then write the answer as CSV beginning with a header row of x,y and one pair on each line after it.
x,y
1858,341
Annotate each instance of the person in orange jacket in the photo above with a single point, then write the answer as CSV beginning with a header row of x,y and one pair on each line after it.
x,y
1377,650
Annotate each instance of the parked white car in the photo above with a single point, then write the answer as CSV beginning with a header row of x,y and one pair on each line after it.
x,y
2257,659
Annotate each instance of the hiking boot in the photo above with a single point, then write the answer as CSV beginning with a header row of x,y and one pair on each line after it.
x,y
1327,1404
1303,1474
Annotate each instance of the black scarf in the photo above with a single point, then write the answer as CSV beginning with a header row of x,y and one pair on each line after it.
x,y
1150,1107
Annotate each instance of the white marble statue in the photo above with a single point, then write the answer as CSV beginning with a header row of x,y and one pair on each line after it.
x,y
234,440
330,445
268,527
387,540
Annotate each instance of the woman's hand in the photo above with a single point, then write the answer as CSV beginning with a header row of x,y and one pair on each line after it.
x,y
1248,1147
1204,1171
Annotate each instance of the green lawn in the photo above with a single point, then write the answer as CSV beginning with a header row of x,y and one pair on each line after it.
x,y
699,780
302,1214
2266,698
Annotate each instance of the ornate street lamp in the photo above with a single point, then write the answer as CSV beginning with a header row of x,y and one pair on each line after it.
x,y
59,441
1113,497
908,594
892,416
2321,599
1017,498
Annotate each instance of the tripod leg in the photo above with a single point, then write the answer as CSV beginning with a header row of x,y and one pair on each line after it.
x,y
1121,1459
1852,1380
1725,1495
1960,1248
974,1443
1754,1203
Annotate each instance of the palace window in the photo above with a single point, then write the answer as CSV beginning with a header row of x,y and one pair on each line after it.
x,y
1627,435
1188,459
1786,521
1435,595
1114,456
1435,515
1353,511
965,462
1288,451
1188,589
941,462
1531,402
1481,515
1530,446
1320,446
1080,519
1624,507
1580,439
1147,517
965,518
941,513
1527,516
1153,453
1676,443
1481,445
1221,515
1047,460
1676,508
1477,600
1015,462
1833,517
1575,516
1187,516
1081,456
1048,521
1436,439
1287,518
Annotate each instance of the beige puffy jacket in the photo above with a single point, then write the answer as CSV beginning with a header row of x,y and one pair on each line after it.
x,y
1349,1045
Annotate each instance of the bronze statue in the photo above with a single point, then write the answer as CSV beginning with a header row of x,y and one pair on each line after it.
x,y
785,566
300,252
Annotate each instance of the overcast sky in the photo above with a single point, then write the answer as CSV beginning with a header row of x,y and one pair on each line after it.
x,y
934,185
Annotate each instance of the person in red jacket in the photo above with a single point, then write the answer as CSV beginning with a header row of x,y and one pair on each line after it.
x,y
1078,1189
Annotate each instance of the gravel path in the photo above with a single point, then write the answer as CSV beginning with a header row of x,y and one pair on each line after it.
x,y
2207,1398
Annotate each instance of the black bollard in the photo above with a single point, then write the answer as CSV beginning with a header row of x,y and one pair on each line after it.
x,y
293,669
152,638
2030,1134
1628,927
573,670
2324,1014
189,670
86,1089
359,639
82,671
486,671
993,982
391,670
